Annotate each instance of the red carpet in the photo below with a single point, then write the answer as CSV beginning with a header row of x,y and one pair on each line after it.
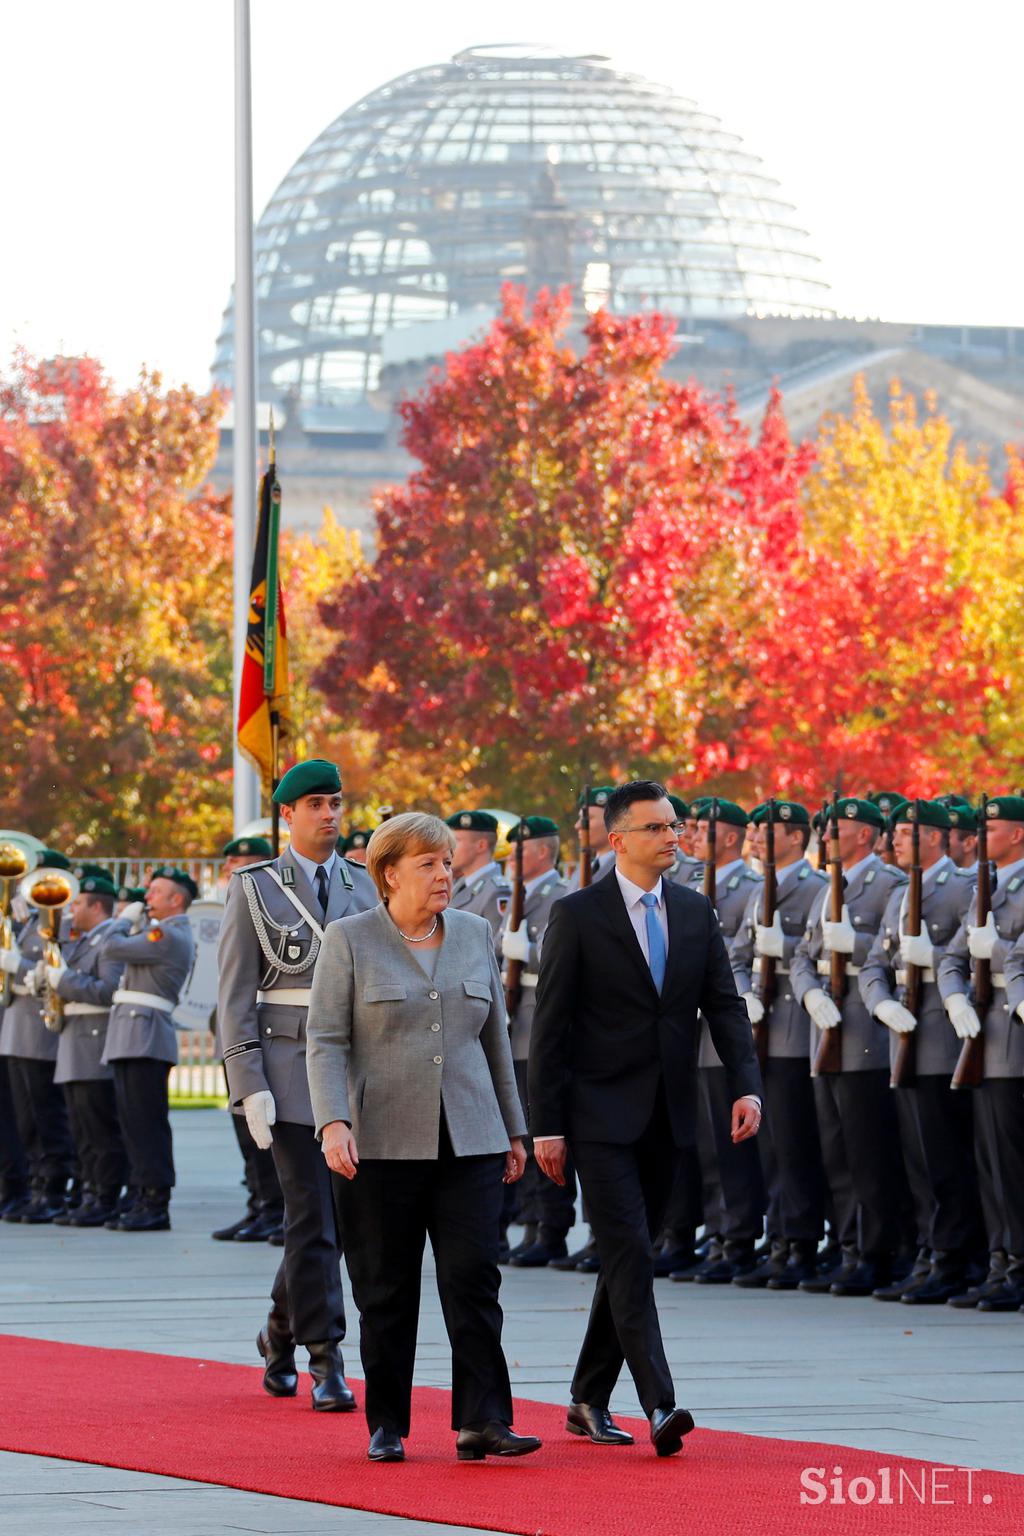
x,y
213,1423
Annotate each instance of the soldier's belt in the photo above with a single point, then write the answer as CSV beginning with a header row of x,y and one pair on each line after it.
x,y
780,969
927,974
291,997
72,1010
19,989
825,969
528,979
145,1000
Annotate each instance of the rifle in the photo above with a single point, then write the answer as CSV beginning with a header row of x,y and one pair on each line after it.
x,y
903,1061
970,1068
769,896
822,839
828,1058
514,968
586,860
710,861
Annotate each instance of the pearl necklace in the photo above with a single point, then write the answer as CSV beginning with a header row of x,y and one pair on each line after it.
x,y
423,937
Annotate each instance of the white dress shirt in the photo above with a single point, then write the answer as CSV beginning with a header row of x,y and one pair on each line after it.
x,y
309,867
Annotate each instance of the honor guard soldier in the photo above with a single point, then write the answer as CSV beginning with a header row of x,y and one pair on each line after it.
x,y
936,1124
602,859
856,1115
157,950
31,1050
243,851
888,802
998,1117
546,1210
963,833
86,980
479,885
791,1159
273,927
353,846
685,863
128,896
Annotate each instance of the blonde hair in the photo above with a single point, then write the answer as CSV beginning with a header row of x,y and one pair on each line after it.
x,y
411,832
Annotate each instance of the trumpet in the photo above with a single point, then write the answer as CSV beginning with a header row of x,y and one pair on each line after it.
x,y
49,891
13,864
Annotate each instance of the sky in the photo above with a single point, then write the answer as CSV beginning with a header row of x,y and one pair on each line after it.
x,y
892,127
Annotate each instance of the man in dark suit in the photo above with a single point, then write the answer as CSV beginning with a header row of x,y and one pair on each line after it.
x,y
627,964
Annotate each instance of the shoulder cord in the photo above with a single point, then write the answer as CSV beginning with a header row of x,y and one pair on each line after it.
x,y
261,920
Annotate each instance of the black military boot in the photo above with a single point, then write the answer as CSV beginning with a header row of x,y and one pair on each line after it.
x,y
275,1343
527,1240
15,1203
864,1278
331,1392
71,1209
830,1265
946,1277
230,1232
549,1245
991,1285
1011,1297
126,1203
757,1278
800,1265
735,1257
265,1221
150,1214
97,1210
902,1284
47,1205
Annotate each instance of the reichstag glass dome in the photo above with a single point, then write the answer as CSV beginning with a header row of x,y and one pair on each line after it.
x,y
509,164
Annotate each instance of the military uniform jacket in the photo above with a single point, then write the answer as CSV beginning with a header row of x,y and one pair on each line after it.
x,y
1015,978
732,895
265,947
1004,1034
865,1042
484,893
23,1032
159,967
684,870
600,868
536,911
786,1021
90,981
945,897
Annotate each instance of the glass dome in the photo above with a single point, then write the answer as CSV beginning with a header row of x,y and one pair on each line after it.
x,y
510,163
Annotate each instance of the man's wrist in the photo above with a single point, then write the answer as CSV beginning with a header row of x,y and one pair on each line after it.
x,y
539,1141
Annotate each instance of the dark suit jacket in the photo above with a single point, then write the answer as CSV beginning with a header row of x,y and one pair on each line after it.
x,y
603,1039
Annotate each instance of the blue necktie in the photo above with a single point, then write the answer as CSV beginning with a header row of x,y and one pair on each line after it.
x,y
655,939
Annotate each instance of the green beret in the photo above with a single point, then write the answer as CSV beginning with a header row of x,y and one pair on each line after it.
x,y
927,813
849,808
131,893
1005,808
532,826
887,800
83,871
680,807
787,813
357,838
728,811
473,821
599,794
315,777
98,885
962,814
243,845
49,858
179,877
700,804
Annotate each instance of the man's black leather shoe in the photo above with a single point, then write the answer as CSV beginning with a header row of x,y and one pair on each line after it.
x,y
14,1205
1008,1298
597,1424
541,1254
668,1426
590,1263
148,1214
43,1210
276,1238
227,1234
758,1277
331,1392
527,1240
493,1439
95,1213
992,1285
862,1279
259,1228
801,1265
571,1260
277,1347
386,1445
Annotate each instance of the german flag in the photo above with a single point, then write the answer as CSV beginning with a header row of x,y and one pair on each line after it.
x,y
264,709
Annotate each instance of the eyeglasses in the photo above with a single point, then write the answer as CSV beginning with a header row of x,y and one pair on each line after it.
x,y
652,828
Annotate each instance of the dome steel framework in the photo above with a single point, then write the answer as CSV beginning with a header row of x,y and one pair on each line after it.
x,y
508,163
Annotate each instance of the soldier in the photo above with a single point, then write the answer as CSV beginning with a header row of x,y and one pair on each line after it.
x,y
602,859
240,852
856,1115
479,885
547,1210
936,1124
128,896
998,1120
685,863
353,846
86,979
31,1050
792,1164
141,1045
734,1194
888,802
273,927
963,833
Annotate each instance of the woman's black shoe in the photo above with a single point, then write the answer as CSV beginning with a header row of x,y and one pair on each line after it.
x,y
276,1345
386,1445
493,1440
331,1392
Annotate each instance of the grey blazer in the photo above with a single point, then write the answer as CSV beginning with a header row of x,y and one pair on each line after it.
x,y
387,1045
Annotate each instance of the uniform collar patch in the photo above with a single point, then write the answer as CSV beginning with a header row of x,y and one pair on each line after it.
x,y
287,875
942,877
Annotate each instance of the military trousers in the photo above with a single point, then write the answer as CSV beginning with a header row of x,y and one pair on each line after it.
x,y
937,1128
306,1292
999,1144
92,1113
535,1199
791,1154
739,1209
140,1091
41,1118
13,1162
260,1173
863,1162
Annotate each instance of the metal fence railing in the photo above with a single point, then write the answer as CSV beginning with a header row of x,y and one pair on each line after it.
x,y
124,871
199,1076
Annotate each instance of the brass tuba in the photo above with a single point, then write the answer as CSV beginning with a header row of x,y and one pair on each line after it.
x,y
49,891
14,862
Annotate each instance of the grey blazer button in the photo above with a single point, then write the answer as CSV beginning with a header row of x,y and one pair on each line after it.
x,y
438,1060
434,1028
433,996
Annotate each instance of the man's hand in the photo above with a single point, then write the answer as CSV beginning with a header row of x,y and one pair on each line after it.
x,y
260,1114
821,1008
755,1007
515,944
746,1119
515,1160
550,1154
916,948
962,1017
839,938
895,1017
982,941
771,941
340,1149
10,959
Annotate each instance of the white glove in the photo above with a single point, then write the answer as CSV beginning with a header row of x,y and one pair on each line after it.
x,y
839,938
133,911
515,943
755,1007
916,948
1020,1012
962,1017
821,1008
10,960
770,941
260,1114
982,941
54,973
35,979
895,1017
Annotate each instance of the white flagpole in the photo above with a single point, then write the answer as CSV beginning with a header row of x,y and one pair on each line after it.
x,y
246,780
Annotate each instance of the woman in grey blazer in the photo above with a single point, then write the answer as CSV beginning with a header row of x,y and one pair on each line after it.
x,y
414,1099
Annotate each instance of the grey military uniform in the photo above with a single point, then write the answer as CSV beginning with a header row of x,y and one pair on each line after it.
x,y
786,1020
539,900
87,987
23,1032
266,946
945,897
600,868
733,890
1004,1034
160,968
1015,977
485,893
865,1042
684,871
